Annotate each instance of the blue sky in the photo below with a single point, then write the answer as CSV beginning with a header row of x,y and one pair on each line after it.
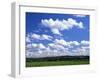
x,y
43,29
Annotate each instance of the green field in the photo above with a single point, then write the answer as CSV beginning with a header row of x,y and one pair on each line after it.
x,y
56,63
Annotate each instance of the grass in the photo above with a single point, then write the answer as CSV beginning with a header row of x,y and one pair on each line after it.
x,y
56,63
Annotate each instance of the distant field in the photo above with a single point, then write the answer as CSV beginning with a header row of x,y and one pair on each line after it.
x,y
30,62
56,63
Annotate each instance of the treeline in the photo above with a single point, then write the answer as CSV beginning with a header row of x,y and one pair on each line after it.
x,y
58,58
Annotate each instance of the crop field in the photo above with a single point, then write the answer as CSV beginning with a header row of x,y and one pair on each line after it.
x,y
57,61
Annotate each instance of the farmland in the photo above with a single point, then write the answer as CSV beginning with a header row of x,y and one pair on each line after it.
x,y
57,61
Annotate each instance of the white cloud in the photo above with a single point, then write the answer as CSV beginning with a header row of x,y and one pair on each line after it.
x,y
66,43
34,45
47,37
58,48
57,25
81,51
41,46
40,51
28,39
41,37
74,43
38,46
56,52
61,42
49,52
56,31
29,46
85,42
70,23
85,47
80,25
36,36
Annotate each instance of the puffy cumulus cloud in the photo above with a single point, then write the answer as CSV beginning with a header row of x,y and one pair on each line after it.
x,y
85,47
47,37
56,46
29,46
57,25
49,52
38,46
80,25
56,31
81,51
41,46
84,42
41,37
61,42
70,23
52,50
74,43
35,36
28,40
35,46
66,43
